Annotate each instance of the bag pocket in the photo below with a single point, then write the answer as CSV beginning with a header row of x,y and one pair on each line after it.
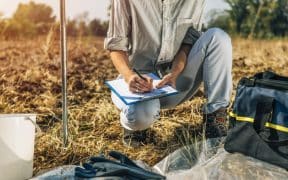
x,y
244,139
253,137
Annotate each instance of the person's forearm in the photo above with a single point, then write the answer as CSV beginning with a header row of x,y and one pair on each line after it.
x,y
135,82
121,63
180,60
178,63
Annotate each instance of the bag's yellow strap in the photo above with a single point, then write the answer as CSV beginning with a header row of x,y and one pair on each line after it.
x,y
251,120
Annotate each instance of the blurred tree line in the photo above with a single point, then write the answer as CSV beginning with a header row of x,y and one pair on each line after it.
x,y
253,18
247,18
34,19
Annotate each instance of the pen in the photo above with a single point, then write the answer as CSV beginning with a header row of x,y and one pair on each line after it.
x,y
139,74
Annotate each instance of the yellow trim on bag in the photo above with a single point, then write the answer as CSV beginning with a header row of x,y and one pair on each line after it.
x,y
277,127
241,118
251,120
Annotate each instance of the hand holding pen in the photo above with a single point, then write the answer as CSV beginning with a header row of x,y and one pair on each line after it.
x,y
139,83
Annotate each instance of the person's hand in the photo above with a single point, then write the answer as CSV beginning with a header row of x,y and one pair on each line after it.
x,y
139,85
168,79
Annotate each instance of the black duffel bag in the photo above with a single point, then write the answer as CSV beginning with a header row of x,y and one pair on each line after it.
x,y
120,168
259,119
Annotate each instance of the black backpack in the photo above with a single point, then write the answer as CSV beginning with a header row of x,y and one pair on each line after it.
x,y
259,119
122,168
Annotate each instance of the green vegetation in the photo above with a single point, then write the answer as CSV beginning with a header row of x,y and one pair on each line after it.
x,y
28,20
246,18
254,18
34,19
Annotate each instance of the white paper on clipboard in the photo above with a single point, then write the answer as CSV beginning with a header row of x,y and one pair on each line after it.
x,y
121,89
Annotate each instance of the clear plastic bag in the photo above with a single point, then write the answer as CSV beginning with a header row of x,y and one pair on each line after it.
x,y
59,173
209,160
205,160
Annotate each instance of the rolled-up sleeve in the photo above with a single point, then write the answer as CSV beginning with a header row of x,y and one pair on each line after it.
x,y
191,36
118,35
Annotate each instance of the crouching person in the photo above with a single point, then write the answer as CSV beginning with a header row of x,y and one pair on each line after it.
x,y
164,37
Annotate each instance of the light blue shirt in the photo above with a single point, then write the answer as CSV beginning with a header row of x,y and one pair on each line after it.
x,y
152,31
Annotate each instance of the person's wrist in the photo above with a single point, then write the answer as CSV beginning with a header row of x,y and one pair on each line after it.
x,y
175,74
127,76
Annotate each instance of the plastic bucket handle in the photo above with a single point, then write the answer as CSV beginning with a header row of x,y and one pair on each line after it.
x,y
38,129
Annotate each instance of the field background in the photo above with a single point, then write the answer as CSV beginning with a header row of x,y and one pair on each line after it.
x,y
30,83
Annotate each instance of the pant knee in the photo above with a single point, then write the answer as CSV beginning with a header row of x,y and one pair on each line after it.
x,y
221,43
220,37
143,116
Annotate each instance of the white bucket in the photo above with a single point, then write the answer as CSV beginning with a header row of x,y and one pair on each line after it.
x,y
17,135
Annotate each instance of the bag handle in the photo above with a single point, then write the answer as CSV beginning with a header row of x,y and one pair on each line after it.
x,y
268,83
264,112
270,75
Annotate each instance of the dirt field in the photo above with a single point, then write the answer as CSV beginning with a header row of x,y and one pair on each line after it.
x,y
30,83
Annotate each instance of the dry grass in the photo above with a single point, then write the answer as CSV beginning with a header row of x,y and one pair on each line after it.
x,y
30,83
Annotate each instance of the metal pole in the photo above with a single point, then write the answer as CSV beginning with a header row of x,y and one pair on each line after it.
x,y
63,45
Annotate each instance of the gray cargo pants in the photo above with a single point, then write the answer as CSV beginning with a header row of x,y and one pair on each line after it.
x,y
209,61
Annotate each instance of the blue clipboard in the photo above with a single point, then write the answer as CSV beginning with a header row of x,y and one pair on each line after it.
x,y
120,88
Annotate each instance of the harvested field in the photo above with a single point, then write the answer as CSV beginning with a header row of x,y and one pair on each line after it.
x,y
30,83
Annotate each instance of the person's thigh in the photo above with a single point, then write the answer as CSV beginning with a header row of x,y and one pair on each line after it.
x,y
192,76
189,80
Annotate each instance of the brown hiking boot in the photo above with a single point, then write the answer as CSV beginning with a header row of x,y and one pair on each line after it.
x,y
216,123
134,138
